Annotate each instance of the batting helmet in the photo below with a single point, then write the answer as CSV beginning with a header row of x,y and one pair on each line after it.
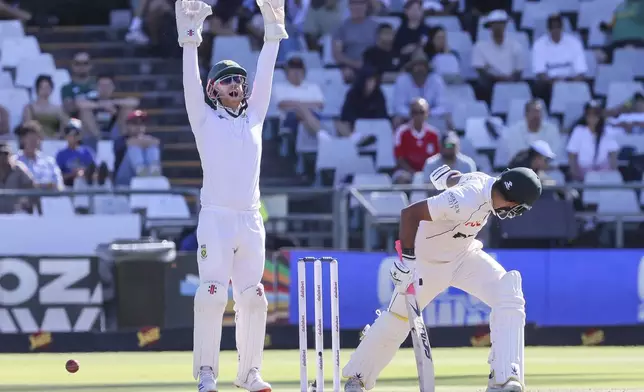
x,y
519,185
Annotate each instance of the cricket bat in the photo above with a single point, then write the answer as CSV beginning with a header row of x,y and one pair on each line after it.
x,y
419,337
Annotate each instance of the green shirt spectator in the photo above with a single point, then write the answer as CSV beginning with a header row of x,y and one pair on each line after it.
x,y
628,21
81,84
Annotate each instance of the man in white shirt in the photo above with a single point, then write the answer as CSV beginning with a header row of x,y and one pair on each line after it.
x,y
439,250
557,56
521,134
499,59
230,233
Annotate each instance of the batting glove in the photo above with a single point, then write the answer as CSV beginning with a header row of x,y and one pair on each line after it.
x,y
190,18
439,177
400,272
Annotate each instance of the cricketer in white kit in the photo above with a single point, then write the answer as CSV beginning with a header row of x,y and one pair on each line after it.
x,y
439,249
231,233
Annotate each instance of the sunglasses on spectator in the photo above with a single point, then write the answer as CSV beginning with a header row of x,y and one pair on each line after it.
x,y
417,112
238,79
81,63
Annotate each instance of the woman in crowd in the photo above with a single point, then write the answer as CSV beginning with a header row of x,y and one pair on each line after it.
x,y
445,61
51,117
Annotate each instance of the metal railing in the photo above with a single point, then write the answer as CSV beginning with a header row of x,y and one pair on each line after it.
x,y
338,220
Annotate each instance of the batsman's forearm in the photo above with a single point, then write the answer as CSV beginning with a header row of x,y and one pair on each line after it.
x,y
407,228
192,89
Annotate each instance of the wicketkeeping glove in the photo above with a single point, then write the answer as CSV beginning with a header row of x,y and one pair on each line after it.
x,y
273,13
439,177
190,17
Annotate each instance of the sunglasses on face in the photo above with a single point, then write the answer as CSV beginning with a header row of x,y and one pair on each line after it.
x,y
238,79
417,112
81,63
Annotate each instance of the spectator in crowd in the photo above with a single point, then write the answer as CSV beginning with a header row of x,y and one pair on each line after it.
x,y
412,34
324,18
533,127
557,56
449,155
78,161
81,84
355,35
538,157
364,99
418,81
381,56
43,168
378,7
592,145
445,61
499,59
298,100
4,121
296,11
627,26
8,10
135,33
630,117
139,154
13,175
103,115
51,117
414,143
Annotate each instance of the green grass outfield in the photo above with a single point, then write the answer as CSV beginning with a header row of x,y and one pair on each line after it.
x,y
457,370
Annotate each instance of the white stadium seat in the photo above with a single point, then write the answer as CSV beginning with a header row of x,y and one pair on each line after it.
x,y
620,92
57,206
592,196
447,22
609,73
105,153
142,201
167,207
11,29
504,92
388,204
619,201
566,92
6,81
30,68
459,93
463,110
14,100
476,132
632,58
111,205
15,49
334,153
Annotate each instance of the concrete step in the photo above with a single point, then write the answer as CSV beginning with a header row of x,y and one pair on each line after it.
x,y
59,34
172,135
174,116
129,65
180,151
67,50
159,82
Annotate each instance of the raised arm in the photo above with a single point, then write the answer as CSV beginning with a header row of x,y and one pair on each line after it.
x,y
190,17
274,32
192,89
261,93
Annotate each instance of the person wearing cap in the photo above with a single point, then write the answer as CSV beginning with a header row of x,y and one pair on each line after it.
x,y
137,153
43,168
297,99
537,157
230,231
81,84
13,175
532,127
76,160
355,35
438,248
418,80
500,58
593,144
449,155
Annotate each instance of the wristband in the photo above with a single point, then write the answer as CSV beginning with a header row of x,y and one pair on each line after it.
x,y
409,253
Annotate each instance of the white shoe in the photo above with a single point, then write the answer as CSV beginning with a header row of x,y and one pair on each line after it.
x,y
253,382
354,384
511,385
207,382
137,37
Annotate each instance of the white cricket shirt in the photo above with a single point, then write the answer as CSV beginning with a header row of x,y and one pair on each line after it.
x,y
565,58
230,148
458,214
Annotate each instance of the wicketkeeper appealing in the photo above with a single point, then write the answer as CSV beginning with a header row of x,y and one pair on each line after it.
x,y
439,249
231,232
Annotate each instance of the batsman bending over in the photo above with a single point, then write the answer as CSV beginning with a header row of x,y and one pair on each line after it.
x,y
439,246
231,233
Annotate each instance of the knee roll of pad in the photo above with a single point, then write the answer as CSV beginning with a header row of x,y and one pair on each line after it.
x,y
510,290
211,295
253,298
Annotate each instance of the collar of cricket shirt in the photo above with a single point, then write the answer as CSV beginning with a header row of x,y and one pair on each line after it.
x,y
225,113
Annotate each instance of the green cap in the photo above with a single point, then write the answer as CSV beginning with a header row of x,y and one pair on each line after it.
x,y
225,68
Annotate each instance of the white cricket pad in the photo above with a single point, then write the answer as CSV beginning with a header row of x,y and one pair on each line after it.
x,y
507,323
250,329
210,304
377,349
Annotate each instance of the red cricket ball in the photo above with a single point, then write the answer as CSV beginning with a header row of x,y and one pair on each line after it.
x,y
72,366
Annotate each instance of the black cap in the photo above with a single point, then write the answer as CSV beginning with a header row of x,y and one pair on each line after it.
x,y
295,61
520,185
5,148
74,125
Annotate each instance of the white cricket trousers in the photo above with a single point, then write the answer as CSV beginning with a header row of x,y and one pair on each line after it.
x,y
476,273
231,246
